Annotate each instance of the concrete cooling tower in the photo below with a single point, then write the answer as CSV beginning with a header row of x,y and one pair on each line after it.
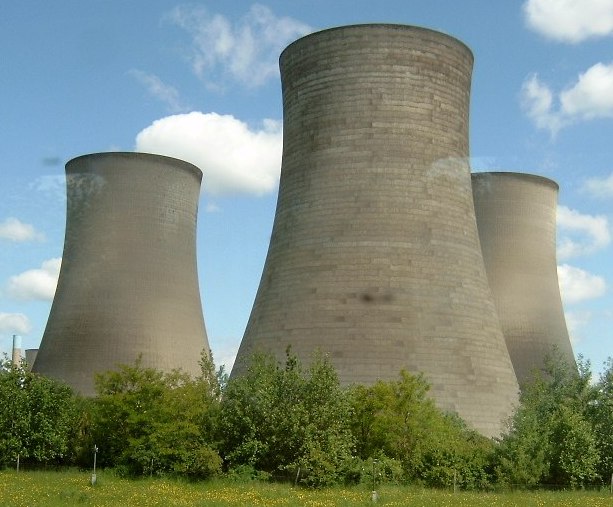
x,y
374,256
516,218
128,284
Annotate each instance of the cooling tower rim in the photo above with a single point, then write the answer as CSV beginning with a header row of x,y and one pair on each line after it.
x,y
391,26
177,162
528,177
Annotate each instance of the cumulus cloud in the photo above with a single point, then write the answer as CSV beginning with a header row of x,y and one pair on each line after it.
x,y
166,93
36,284
211,207
13,229
590,97
246,51
570,20
580,234
232,156
51,185
224,352
576,322
600,187
578,285
16,323
538,101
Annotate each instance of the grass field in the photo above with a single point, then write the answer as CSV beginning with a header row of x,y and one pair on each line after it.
x,y
55,489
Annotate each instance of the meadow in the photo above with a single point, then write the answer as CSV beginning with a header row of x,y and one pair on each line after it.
x,y
65,489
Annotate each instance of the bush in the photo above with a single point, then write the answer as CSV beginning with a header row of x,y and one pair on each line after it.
x,y
145,421
38,416
396,419
280,419
551,437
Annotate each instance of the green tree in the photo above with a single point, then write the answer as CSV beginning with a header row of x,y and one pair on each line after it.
x,y
145,421
282,419
600,414
551,439
397,419
37,417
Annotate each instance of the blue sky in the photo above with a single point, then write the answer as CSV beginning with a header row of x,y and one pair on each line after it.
x,y
200,81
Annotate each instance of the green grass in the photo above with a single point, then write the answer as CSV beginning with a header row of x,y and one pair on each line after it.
x,y
65,489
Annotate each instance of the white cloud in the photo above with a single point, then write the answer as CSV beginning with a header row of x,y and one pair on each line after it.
x,y
52,185
580,234
600,187
13,229
16,323
168,94
576,322
36,284
246,51
211,207
570,20
225,353
537,100
578,285
232,156
590,97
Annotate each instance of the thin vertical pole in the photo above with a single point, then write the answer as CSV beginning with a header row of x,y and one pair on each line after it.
x,y
94,473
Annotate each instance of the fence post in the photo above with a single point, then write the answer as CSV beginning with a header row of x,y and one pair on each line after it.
x,y
93,480
297,477
17,462
374,494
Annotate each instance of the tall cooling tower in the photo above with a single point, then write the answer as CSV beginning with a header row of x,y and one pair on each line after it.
x,y
128,284
374,256
16,353
516,218
30,358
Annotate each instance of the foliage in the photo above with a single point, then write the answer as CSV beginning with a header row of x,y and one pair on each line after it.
x,y
145,421
397,420
374,472
551,438
37,416
600,414
285,420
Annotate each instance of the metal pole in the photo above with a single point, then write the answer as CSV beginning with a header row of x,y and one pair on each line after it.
x,y
297,477
17,462
94,473
375,495
374,486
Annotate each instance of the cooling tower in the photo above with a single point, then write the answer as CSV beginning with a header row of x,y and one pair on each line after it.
x,y
30,358
374,257
16,352
128,285
516,218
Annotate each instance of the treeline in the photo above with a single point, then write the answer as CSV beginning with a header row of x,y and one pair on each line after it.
x,y
295,423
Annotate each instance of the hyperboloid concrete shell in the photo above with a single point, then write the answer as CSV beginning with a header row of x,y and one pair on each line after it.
x,y
374,256
516,219
128,284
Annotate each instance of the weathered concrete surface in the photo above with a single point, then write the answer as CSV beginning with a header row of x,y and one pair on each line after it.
x,y
374,256
516,219
128,284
